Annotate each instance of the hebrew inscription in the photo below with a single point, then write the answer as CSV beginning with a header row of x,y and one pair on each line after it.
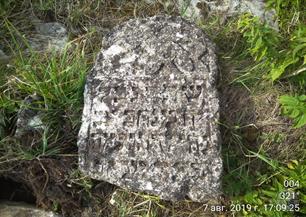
x,y
151,110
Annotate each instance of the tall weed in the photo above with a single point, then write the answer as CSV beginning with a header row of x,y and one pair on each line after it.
x,y
283,52
282,194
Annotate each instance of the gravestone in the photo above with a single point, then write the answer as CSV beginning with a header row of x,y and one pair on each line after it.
x,y
151,110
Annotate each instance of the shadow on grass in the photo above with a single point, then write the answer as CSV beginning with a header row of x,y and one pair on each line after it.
x,y
239,135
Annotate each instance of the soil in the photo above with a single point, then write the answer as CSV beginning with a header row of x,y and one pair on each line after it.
x,y
46,180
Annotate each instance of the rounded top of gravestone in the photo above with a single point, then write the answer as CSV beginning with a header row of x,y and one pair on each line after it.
x,y
144,48
151,110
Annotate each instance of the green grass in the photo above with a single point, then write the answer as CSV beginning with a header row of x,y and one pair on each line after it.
x,y
58,79
274,196
252,56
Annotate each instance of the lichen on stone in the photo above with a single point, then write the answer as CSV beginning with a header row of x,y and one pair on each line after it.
x,y
151,110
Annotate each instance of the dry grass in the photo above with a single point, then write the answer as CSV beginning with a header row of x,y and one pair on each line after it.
x,y
278,138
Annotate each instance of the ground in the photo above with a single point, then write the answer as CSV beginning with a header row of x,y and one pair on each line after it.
x,y
261,148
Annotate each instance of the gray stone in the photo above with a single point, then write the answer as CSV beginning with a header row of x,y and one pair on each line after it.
x,y
194,9
150,1
9,209
151,110
3,55
29,117
48,36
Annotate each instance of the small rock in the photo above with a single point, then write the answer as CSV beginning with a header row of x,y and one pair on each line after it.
x,y
48,36
3,56
194,9
53,29
113,200
150,1
10,209
29,119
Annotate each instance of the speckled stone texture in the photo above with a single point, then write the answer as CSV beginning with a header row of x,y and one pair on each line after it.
x,y
14,209
195,9
151,110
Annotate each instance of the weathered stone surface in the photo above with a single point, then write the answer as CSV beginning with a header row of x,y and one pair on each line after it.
x,y
194,9
3,56
150,111
29,117
48,36
9,209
